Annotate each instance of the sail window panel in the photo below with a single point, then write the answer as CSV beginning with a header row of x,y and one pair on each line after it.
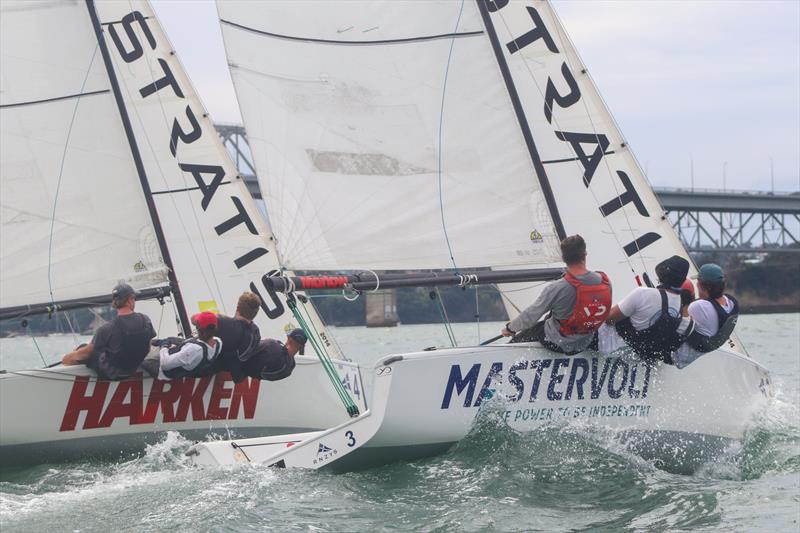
x,y
46,49
346,144
353,21
83,228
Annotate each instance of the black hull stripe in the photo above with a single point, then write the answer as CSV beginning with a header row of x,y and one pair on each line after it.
x,y
56,99
353,43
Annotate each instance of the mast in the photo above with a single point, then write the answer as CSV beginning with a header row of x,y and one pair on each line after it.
x,y
544,183
123,112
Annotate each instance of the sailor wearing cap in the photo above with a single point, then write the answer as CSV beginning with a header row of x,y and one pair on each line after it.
x,y
649,320
713,316
274,360
120,345
195,356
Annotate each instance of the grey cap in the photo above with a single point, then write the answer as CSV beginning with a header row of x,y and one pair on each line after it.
x,y
122,291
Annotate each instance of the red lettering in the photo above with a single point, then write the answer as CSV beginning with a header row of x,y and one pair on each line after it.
x,y
245,393
117,408
193,399
219,392
166,398
78,401
322,282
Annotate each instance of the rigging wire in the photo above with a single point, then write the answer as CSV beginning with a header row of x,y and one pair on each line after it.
x,y
441,128
61,174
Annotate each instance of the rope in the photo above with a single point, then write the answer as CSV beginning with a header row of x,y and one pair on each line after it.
x,y
445,319
477,313
325,360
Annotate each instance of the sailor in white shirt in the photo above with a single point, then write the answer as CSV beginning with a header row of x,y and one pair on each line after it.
x,y
713,316
195,356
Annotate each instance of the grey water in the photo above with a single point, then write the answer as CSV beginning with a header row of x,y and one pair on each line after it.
x,y
556,479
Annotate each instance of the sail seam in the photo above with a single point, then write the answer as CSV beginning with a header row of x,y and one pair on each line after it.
x,y
421,38
186,189
55,99
570,159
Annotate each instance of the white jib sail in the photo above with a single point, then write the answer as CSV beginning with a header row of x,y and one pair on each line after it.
x,y
366,159
219,244
73,220
598,187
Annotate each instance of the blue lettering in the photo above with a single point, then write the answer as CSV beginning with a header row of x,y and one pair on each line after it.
x,y
556,377
460,383
597,385
632,391
577,383
486,391
646,380
514,380
537,378
612,392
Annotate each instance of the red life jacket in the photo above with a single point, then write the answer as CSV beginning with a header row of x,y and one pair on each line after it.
x,y
592,305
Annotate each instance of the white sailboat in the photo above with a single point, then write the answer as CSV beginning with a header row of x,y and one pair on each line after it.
x,y
110,170
462,135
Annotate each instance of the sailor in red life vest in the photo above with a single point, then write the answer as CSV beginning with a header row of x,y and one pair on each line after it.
x,y
578,304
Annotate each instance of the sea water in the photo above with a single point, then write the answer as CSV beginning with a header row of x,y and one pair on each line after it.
x,y
558,479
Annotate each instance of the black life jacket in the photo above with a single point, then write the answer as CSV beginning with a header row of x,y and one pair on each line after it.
x,y
276,361
657,342
726,322
204,368
239,338
134,338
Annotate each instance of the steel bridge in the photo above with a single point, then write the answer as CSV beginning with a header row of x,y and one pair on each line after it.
x,y
707,220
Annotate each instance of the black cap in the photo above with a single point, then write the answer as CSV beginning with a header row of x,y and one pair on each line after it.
x,y
299,336
122,291
673,270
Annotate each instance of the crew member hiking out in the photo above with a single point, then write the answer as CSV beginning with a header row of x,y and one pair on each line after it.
x,y
650,320
239,335
274,360
120,345
713,316
578,304
195,356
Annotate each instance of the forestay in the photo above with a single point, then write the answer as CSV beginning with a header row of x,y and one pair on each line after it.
x,y
73,220
375,145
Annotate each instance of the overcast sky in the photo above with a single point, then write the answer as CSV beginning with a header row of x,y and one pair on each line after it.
x,y
717,80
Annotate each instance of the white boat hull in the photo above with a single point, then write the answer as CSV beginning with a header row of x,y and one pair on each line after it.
x,y
63,413
678,417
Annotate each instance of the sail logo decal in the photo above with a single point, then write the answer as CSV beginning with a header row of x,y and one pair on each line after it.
x,y
185,130
180,400
589,147
574,378
323,449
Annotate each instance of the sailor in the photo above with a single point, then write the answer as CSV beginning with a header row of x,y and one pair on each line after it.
x,y
650,320
239,335
578,304
195,356
274,360
120,345
713,316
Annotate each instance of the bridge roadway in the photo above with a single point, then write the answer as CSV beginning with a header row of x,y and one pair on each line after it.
x,y
719,201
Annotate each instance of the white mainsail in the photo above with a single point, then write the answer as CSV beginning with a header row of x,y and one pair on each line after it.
x,y
366,160
73,220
